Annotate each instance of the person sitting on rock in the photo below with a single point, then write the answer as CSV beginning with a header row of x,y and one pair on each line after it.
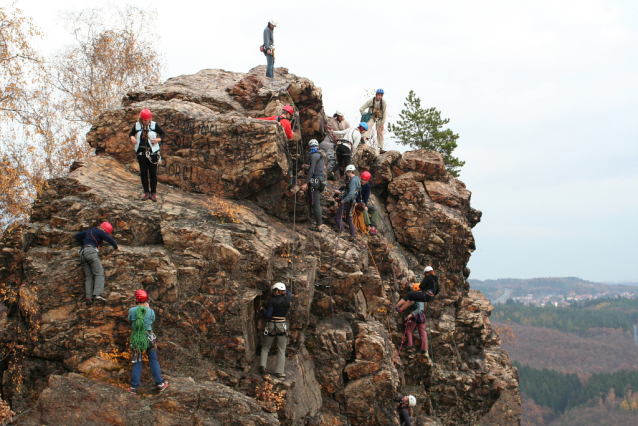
x,y
91,241
315,179
403,409
364,199
284,120
146,135
416,318
427,290
347,145
277,328
143,340
346,198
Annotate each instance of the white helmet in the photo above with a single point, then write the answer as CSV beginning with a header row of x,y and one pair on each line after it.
x,y
339,112
273,22
428,269
351,168
279,286
313,142
411,400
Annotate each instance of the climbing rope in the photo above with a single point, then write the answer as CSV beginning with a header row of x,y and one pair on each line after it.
x,y
431,347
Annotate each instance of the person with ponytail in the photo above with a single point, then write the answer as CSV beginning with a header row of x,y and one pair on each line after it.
x,y
143,340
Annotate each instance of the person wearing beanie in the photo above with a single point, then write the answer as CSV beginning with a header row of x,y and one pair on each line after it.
x,y
143,340
147,135
317,185
91,241
284,119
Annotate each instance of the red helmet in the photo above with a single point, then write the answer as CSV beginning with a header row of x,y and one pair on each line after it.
x,y
141,296
145,114
366,176
289,110
107,227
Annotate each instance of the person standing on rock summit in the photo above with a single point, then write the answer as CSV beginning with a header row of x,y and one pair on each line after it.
x,y
377,113
143,340
283,119
277,328
269,47
91,241
146,135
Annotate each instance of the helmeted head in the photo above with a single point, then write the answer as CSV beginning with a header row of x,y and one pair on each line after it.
x,y
313,142
279,287
107,227
351,168
428,269
379,94
363,126
411,400
289,110
338,114
273,22
366,176
146,114
141,296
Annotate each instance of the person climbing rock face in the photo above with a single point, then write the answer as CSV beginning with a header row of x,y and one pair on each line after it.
x,y
377,113
346,198
368,209
315,180
269,47
347,145
327,146
428,288
404,409
147,135
91,241
143,340
277,328
416,318
283,119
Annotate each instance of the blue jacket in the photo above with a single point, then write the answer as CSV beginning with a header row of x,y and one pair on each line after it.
x,y
352,190
364,196
94,237
149,319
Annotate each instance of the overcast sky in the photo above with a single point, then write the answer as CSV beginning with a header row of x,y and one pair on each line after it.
x,y
542,94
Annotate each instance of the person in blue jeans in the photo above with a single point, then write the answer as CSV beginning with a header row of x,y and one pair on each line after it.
x,y
269,48
143,340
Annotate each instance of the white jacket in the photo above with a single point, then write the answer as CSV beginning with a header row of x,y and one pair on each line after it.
x,y
151,135
352,136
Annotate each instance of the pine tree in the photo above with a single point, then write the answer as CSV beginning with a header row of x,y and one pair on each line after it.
x,y
423,129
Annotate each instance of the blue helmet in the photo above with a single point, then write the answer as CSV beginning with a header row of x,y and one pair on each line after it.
x,y
364,125
380,91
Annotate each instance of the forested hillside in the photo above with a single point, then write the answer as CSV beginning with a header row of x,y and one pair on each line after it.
x,y
578,365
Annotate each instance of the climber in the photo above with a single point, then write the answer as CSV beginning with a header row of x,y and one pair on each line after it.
x,y
417,319
327,146
404,409
91,241
269,48
346,198
364,199
377,113
317,185
146,135
284,120
347,146
428,288
143,340
276,312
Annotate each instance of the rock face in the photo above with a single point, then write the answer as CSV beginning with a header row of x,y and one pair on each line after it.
x,y
209,250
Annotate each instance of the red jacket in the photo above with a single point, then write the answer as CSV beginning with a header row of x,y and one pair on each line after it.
x,y
284,123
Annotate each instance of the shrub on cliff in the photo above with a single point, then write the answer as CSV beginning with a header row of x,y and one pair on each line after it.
x,y
423,129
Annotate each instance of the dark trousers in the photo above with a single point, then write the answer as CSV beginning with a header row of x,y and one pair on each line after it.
x,y
343,157
315,203
349,208
417,296
148,169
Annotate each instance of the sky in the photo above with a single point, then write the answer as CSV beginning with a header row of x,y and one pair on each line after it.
x,y
542,93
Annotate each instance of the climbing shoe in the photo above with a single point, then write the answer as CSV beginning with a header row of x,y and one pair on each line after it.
x,y
153,198
89,301
373,232
99,299
262,370
280,375
146,196
132,390
163,386
398,309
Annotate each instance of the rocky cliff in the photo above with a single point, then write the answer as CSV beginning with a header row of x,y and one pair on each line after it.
x,y
207,252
